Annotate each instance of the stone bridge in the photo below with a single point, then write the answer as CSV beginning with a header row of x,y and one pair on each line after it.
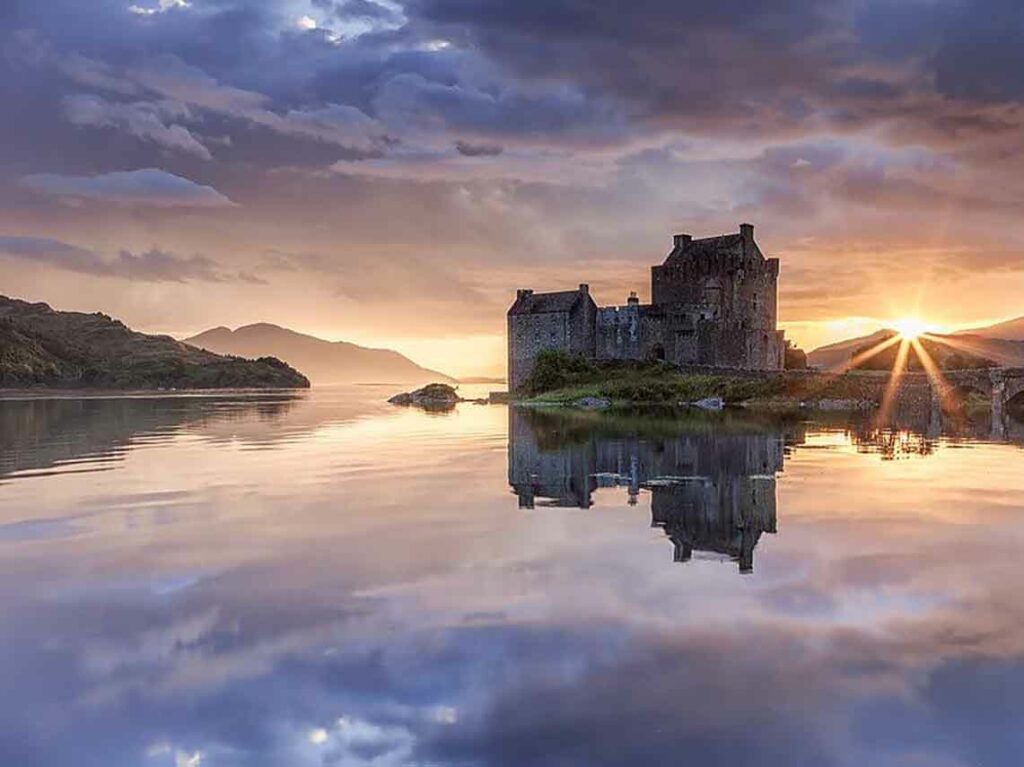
x,y
1003,384
1000,384
915,392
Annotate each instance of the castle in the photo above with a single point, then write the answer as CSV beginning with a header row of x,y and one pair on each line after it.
x,y
713,303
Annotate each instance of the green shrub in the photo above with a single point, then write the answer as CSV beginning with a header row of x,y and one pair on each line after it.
x,y
556,369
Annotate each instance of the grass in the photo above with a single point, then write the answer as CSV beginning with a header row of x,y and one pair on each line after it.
x,y
559,379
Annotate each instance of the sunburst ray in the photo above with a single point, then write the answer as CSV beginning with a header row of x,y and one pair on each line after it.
x,y
895,377
943,388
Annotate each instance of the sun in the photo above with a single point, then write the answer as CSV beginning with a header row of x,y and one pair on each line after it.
x,y
910,328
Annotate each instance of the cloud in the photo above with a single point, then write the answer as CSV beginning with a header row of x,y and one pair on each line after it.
x,y
146,120
414,101
42,250
471,149
153,265
156,265
599,130
184,92
145,187
162,7
360,9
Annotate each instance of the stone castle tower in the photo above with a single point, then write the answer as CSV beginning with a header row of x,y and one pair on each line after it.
x,y
714,303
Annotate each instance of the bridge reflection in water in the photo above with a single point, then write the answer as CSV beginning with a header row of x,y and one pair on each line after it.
x,y
711,482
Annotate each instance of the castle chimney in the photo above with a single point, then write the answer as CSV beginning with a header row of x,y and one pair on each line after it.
x,y
681,240
747,232
523,293
633,299
584,287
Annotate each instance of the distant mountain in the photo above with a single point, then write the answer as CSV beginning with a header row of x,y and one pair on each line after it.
x,y
836,354
1011,330
323,361
1009,353
1005,352
41,346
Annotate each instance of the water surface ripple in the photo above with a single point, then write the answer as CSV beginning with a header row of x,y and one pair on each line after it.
x,y
322,579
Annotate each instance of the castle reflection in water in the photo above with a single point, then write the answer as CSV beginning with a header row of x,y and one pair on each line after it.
x,y
711,483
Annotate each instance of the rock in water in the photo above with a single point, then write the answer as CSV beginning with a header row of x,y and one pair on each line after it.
x,y
710,403
435,396
593,403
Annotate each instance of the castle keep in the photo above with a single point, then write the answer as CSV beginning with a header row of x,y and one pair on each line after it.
x,y
713,303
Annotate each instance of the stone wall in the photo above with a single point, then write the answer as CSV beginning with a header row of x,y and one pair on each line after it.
x,y
569,331
527,335
679,335
721,310
582,327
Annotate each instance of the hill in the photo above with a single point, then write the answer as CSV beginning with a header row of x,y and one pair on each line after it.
x,y
323,361
836,354
1008,353
41,346
1011,330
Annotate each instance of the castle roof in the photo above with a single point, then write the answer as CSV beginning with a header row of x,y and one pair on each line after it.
x,y
706,246
528,302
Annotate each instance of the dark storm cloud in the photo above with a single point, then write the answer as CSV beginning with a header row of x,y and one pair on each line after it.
x,y
527,68
153,265
982,54
663,58
504,70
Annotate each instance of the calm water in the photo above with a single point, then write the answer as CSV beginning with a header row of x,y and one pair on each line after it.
x,y
326,580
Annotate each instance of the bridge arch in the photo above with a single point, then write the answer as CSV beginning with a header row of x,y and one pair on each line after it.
x,y
1013,388
964,394
1013,399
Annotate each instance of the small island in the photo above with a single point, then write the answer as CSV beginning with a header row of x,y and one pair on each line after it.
x,y
710,338
42,347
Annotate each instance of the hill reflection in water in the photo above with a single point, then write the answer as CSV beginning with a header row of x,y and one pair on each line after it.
x,y
75,433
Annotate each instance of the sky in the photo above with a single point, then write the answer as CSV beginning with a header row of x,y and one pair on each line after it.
x,y
390,172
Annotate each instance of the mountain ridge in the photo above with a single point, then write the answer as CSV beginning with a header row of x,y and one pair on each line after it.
x,y
323,361
42,346
1007,330
1002,342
